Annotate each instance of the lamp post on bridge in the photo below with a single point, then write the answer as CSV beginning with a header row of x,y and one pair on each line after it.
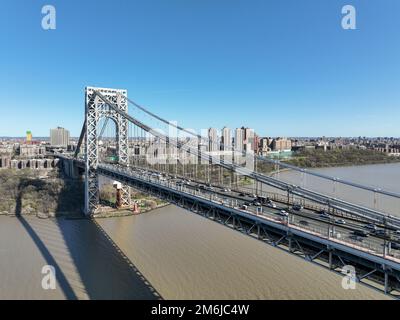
x,y
288,189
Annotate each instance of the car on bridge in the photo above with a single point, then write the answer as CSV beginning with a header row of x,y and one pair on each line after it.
x,y
370,227
262,199
297,207
271,204
283,213
340,221
394,245
324,215
379,232
360,233
304,222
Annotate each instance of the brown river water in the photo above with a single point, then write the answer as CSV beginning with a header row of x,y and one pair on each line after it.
x,y
169,253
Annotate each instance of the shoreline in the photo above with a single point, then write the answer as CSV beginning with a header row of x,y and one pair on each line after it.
x,y
103,215
127,213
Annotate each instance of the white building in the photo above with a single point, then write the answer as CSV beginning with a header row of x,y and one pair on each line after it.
x,y
59,137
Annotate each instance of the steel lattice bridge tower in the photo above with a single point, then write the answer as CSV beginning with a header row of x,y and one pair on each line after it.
x,y
95,109
375,258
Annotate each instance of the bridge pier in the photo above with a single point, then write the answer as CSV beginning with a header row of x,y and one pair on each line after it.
x,y
386,282
73,170
68,168
290,241
386,271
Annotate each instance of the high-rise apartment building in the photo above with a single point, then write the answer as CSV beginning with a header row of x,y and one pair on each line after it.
x,y
59,137
213,144
256,143
226,139
238,139
248,139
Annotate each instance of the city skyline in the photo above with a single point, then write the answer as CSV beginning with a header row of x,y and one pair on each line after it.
x,y
240,73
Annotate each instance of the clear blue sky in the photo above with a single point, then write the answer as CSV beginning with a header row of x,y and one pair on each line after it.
x,y
283,67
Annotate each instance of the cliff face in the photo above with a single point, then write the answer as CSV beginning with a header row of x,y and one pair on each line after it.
x,y
38,192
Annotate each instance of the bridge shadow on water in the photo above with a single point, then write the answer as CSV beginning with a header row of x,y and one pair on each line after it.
x,y
104,271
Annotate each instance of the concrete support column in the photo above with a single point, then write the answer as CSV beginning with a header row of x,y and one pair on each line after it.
x,y
289,235
386,271
330,259
386,282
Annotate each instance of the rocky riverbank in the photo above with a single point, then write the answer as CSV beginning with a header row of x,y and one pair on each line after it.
x,y
48,195
36,192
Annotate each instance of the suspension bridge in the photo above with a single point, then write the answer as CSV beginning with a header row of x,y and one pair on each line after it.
x,y
142,150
